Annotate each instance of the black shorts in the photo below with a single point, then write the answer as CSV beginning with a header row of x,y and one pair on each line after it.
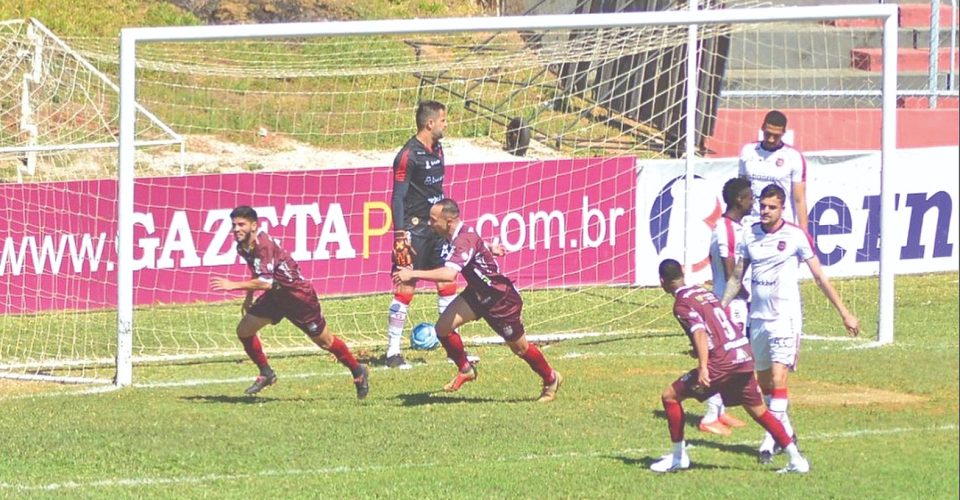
x,y
429,247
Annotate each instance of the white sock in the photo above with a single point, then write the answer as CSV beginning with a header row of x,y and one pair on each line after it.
x,y
396,320
678,449
714,409
442,302
793,452
778,406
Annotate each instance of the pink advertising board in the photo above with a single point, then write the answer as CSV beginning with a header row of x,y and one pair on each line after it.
x,y
563,222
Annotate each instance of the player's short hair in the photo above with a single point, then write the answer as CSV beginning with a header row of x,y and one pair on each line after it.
x,y
733,187
427,110
774,190
244,212
670,270
775,118
448,207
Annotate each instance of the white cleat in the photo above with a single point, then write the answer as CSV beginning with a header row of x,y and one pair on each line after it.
x,y
669,463
799,466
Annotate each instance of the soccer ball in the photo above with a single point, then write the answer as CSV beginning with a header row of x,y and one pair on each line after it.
x,y
423,337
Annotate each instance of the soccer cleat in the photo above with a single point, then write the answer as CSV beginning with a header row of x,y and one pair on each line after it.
x,y
260,383
765,457
397,361
715,427
362,382
549,392
731,421
461,378
670,463
798,466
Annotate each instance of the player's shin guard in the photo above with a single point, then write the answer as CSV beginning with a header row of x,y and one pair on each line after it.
x,y
396,320
674,412
340,350
255,351
453,345
538,363
778,406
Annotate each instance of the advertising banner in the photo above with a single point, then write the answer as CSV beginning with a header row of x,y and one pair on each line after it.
x,y
563,223
843,202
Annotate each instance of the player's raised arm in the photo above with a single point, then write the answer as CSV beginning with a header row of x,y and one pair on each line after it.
x,y
850,322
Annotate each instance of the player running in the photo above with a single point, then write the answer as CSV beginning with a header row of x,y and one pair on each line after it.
x,y
489,295
725,367
285,295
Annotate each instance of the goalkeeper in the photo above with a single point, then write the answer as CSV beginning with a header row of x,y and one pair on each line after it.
x,y
418,171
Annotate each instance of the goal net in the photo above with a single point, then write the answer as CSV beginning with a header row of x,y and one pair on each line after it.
x,y
546,129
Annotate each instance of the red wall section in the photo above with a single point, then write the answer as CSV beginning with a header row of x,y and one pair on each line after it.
x,y
844,129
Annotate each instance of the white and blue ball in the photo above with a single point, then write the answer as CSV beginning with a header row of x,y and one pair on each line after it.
x,y
423,337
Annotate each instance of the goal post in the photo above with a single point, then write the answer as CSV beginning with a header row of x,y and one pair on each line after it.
x,y
302,121
130,38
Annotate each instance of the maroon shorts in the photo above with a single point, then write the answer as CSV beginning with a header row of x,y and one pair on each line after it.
x,y
503,316
299,305
738,388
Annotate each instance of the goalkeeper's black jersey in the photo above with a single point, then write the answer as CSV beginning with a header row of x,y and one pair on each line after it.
x,y
417,183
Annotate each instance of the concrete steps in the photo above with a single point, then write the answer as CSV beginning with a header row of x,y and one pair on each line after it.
x,y
907,59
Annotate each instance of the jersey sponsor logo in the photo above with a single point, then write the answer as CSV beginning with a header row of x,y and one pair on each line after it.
x,y
432,180
781,246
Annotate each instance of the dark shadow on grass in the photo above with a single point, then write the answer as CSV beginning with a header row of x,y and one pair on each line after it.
x,y
741,449
244,400
646,462
689,419
433,398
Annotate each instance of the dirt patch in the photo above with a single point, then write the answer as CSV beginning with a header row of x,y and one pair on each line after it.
x,y
813,393
9,387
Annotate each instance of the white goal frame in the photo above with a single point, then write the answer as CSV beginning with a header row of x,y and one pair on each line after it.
x,y
131,37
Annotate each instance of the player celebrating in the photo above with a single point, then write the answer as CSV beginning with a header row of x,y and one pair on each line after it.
x,y
285,295
771,248
418,172
727,235
488,295
771,160
725,366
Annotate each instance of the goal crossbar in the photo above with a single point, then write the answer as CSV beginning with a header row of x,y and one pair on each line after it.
x,y
130,37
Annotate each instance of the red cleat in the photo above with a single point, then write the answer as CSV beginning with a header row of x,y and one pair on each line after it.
x,y
461,378
731,421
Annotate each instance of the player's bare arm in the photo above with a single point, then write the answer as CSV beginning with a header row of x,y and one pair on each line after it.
x,y
850,322
435,275
799,190
252,285
703,355
734,280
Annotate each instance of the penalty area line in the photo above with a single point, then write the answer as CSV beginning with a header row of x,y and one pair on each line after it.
x,y
347,469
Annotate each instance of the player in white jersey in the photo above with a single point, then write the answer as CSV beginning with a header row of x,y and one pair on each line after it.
x,y
771,248
727,236
773,161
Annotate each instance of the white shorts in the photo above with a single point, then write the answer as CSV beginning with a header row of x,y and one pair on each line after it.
x,y
738,314
775,341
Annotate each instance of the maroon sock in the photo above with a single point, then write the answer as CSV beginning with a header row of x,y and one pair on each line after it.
x,y
339,349
775,428
255,351
674,420
453,344
538,363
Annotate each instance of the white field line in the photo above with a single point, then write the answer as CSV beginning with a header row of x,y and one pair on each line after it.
x,y
346,469
471,340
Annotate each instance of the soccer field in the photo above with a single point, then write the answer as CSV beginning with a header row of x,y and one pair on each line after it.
x,y
875,422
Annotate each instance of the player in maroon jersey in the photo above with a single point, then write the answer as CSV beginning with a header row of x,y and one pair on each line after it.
x,y
489,295
725,367
285,295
